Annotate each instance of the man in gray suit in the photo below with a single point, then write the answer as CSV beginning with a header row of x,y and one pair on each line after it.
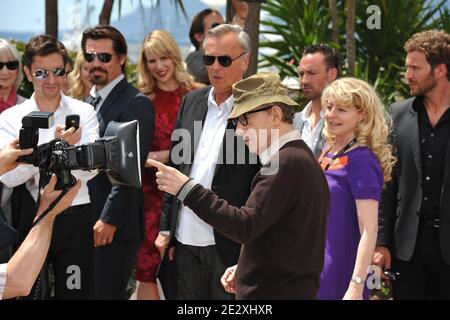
x,y
319,66
414,216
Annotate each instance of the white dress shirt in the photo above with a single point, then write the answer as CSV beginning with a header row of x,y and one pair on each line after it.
x,y
3,275
11,123
310,135
192,230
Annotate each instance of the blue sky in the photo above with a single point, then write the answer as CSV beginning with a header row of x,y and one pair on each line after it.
x,y
29,15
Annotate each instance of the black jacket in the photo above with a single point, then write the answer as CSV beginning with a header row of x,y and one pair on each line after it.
x,y
122,206
402,198
231,181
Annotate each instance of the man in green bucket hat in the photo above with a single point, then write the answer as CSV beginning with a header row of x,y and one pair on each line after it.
x,y
283,223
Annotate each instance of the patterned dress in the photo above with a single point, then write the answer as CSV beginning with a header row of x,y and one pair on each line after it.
x,y
354,175
166,105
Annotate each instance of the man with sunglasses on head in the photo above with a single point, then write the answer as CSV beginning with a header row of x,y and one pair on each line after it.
x,y
118,210
200,253
71,248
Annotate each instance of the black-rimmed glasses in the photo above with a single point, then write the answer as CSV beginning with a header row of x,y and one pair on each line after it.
x,y
41,74
243,117
104,57
10,65
224,61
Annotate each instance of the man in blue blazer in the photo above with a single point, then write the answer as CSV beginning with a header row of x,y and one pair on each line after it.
x,y
119,217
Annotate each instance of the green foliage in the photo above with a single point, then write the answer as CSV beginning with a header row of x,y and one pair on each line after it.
x,y
379,52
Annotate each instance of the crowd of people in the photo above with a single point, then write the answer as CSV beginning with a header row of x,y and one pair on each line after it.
x,y
245,195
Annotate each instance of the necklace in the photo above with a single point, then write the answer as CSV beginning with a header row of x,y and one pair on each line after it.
x,y
340,152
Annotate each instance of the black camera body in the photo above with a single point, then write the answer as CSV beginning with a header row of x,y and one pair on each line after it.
x,y
117,152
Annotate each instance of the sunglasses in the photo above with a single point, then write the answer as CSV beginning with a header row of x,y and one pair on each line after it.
x,y
11,65
102,56
224,61
215,24
243,117
41,74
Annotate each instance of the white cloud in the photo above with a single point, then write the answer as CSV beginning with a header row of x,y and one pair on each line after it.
x,y
217,4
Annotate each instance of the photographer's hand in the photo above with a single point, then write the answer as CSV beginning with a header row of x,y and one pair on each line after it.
x,y
71,136
49,194
9,155
103,233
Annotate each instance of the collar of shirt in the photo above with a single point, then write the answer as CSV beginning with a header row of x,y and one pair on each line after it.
x,y
225,106
105,91
61,107
306,113
276,145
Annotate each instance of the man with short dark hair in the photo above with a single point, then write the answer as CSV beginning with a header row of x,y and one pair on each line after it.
x,y
71,249
414,215
201,24
319,66
118,210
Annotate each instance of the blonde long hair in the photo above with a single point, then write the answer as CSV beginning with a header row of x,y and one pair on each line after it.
x,y
373,131
160,42
76,84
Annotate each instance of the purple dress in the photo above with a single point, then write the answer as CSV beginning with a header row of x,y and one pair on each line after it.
x,y
354,175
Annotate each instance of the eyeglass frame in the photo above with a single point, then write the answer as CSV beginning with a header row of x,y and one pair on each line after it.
x,y
97,55
244,116
8,64
220,58
57,72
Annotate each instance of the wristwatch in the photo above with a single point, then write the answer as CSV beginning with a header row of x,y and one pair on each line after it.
x,y
357,280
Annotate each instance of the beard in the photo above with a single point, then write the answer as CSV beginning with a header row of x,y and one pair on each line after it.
x,y
98,79
425,87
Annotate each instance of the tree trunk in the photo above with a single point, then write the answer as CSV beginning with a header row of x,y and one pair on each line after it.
x,y
51,17
252,28
230,12
350,33
105,15
334,21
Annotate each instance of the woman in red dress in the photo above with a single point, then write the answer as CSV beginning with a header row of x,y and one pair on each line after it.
x,y
163,78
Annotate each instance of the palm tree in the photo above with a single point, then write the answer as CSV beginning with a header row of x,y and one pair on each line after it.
x,y
350,35
334,21
252,28
105,14
51,17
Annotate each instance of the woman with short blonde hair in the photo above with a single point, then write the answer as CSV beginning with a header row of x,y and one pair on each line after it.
x,y
357,162
163,78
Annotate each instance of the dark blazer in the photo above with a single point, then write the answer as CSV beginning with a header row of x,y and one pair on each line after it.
x,y
401,200
231,181
122,206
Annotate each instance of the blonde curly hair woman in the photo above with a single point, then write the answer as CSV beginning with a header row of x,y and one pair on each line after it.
x,y
357,161
79,79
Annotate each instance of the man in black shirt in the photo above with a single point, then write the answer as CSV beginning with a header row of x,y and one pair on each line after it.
x,y
414,217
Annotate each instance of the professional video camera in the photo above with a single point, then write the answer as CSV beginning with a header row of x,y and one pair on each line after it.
x,y
117,152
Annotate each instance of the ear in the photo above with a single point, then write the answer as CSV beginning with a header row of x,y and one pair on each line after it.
x,y
245,62
122,59
332,74
361,116
441,70
27,72
199,37
277,114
